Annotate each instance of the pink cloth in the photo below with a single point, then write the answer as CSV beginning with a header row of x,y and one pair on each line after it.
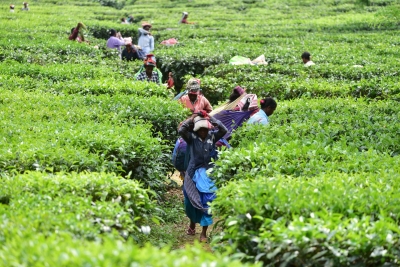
x,y
169,42
200,104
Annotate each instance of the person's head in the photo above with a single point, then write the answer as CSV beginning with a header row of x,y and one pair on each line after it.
x,y
268,105
25,4
123,20
146,26
193,87
185,15
201,126
169,74
149,66
306,56
113,32
236,93
12,6
72,30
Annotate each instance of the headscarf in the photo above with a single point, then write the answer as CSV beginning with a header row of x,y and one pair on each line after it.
x,y
183,16
193,86
201,122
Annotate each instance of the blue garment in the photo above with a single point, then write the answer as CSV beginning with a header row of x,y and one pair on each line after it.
x,y
200,152
146,41
259,118
203,183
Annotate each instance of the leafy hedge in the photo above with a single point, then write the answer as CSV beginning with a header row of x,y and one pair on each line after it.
x,y
84,206
333,219
307,137
94,133
87,219
290,82
62,250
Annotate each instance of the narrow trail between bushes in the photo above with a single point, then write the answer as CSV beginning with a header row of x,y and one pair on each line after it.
x,y
181,227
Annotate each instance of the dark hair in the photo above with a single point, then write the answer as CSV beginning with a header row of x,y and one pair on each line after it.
x,y
235,95
306,55
72,30
268,102
112,32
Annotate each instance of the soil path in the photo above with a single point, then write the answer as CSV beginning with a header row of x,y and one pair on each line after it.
x,y
181,227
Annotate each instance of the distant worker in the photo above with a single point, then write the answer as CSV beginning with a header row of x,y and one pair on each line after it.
x,y
194,100
116,41
183,20
146,40
12,8
170,82
306,57
130,53
149,74
123,21
77,33
26,6
268,106
130,19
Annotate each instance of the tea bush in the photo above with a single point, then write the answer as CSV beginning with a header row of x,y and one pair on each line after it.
x,y
63,250
331,219
94,133
307,137
81,205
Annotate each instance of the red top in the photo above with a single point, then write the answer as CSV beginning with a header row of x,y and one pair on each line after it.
x,y
74,34
170,83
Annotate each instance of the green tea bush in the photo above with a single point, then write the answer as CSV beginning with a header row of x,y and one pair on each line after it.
x,y
81,205
332,219
289,82
307,137
94,133
62,250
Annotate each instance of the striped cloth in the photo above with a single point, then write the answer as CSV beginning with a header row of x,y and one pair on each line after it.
x,y
193,194
227,105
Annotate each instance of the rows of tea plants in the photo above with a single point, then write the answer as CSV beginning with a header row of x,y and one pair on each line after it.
x,y
312,189
88,219
316,188
125,134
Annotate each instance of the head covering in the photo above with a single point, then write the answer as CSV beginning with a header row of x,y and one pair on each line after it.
x,y
239,90
150,62
201,122
144,24
193,86
184,14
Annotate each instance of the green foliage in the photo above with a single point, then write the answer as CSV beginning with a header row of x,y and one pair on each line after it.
x,y
332,219
82,205
64,251
307,137
94,133
311,189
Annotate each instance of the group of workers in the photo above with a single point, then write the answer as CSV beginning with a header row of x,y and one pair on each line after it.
x,y
202,131
131,51
24,8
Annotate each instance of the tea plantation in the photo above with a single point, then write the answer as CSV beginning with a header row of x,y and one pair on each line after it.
x,y
85,148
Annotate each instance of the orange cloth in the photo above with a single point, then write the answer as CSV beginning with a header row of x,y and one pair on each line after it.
x,y
201,103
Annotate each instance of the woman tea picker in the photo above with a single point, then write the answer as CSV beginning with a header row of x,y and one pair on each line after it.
x,y
198,188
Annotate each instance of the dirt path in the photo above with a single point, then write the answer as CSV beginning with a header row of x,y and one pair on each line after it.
x,y
181,227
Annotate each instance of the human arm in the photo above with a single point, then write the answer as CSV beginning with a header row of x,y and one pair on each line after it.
x,y
151,43
184,129
207,106
222,130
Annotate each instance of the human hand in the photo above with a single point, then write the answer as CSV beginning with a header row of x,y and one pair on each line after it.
x,y
203,113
